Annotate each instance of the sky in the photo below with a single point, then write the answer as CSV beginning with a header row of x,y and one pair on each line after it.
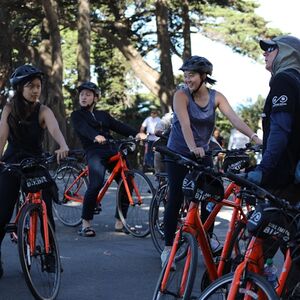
x,y
240,78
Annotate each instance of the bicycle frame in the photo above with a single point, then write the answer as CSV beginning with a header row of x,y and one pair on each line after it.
x,y
34,198
194,225
120,168
254,261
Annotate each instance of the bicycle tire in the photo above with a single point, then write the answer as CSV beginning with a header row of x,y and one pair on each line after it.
x,y
175,289
67,211
156,217
222,285
135,218
42,271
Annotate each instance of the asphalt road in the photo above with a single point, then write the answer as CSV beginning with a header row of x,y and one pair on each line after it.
x,y
110,266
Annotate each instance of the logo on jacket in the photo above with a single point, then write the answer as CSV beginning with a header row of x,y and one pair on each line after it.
x,y
279,101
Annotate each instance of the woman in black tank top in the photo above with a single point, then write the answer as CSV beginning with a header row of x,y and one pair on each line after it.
x,y
22,125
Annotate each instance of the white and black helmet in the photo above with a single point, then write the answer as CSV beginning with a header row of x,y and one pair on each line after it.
x,y
197,64
24,73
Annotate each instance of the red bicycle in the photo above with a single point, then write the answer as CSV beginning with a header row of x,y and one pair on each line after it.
x,y
134,212
31,230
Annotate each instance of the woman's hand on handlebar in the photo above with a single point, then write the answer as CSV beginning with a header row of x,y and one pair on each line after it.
x,y
257,140
61,153
198,151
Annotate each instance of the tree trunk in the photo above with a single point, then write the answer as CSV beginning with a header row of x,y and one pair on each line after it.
x,y
5,54
141,69
84,43
166,79
187,49
52,57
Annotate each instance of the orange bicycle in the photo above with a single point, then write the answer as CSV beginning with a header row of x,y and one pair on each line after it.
x,y
72,184
32,231
273,219
177,278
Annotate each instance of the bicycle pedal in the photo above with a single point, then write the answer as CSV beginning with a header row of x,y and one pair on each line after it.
x,y
11,227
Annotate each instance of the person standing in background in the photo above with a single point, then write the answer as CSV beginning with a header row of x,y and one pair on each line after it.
x,y
148,125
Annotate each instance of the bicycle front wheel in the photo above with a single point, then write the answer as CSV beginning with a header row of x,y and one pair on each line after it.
x,y
252,286
71,192
42,270
156,217
135,216
178,282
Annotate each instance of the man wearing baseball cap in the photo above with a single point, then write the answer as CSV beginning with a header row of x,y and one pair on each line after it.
x,y
281,124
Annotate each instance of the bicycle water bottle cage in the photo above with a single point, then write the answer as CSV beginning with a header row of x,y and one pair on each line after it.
x,y
35,178
236,163
269,221
201,186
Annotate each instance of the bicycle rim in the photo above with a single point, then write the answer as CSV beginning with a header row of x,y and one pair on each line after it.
x,y
42,270
156,220
135,217
69,211
179,282
254,287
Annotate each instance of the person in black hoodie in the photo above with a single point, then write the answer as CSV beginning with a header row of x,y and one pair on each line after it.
x,y
93,128
280,119
281,131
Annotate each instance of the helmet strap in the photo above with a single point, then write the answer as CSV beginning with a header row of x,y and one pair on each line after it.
x,y
89,106
197,89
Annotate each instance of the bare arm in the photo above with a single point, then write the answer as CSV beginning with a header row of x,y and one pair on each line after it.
x,y
4,128
224,106
180,108
48,118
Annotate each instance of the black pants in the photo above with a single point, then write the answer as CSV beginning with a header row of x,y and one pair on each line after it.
x,y
97,168
176,174
9,193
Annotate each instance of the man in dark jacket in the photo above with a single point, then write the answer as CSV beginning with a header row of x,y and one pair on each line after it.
x,y
281,119
281,134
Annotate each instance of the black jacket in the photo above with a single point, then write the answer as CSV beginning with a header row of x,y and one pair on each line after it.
x,y
90,124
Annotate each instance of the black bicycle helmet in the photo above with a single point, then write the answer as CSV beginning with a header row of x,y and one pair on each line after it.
x,y
24,73
88,85
197,64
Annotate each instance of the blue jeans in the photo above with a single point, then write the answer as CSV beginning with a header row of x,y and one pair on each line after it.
x,y
149,155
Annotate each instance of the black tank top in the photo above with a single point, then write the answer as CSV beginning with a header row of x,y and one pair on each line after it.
x,y
28,140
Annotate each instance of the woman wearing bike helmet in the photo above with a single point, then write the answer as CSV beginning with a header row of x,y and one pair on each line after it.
x,y
22,125
93,128
193,124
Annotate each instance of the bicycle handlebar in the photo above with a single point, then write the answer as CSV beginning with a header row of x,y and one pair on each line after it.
x,y
45,158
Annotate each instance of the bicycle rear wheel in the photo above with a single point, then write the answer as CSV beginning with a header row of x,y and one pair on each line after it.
x,y
253,287
68,211
135,216
42,270
179,282
156,217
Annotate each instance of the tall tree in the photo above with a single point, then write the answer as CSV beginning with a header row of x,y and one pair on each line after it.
x,y
166,77
84,41
53,62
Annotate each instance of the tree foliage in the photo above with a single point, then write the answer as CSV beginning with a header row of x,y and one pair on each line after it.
x,y
118,40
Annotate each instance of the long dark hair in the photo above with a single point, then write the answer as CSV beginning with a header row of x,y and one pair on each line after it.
x,y
20,108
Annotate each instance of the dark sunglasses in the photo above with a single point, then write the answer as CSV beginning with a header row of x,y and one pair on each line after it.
x,y
271,48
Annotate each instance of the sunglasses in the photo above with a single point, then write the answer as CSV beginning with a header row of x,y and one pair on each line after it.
x,y
271,48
